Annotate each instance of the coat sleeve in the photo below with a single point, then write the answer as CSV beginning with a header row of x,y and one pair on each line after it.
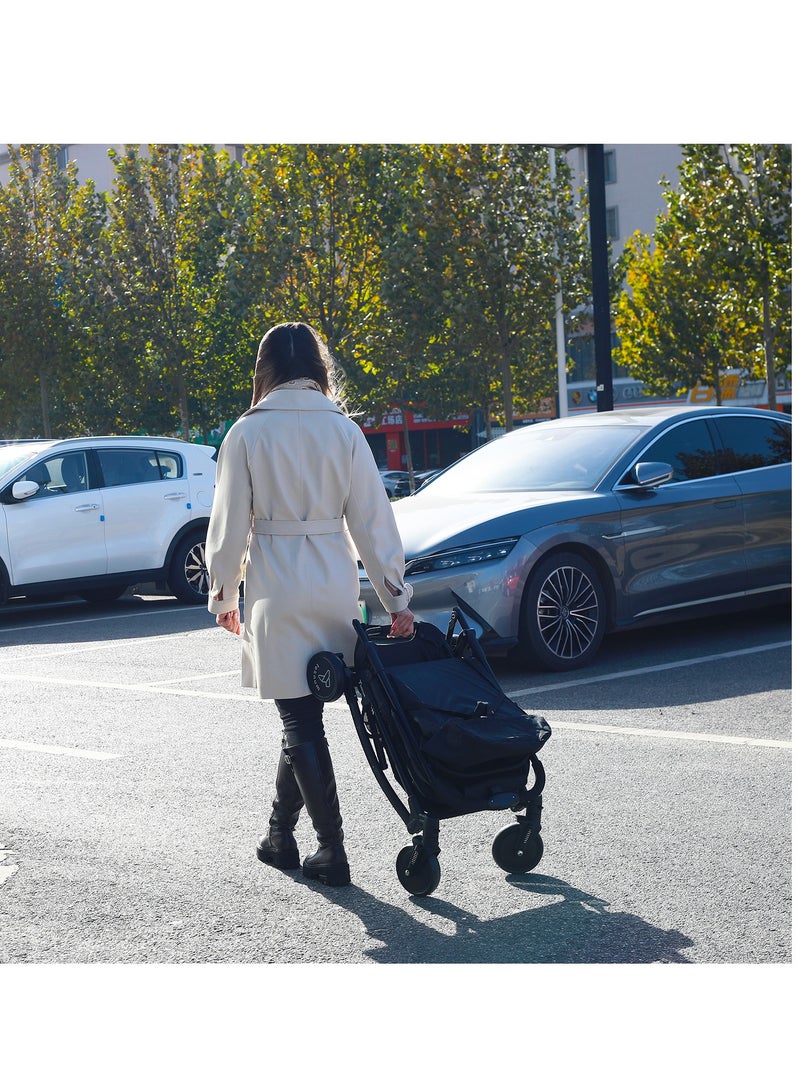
x,y
229,527
371,523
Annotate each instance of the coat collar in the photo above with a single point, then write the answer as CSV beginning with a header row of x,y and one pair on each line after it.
x,y
295,399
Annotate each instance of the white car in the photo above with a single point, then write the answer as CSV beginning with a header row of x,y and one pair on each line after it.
x,y
390,479
93,516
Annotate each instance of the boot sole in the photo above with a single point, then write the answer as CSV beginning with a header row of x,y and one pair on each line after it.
x,y
335,875
283,861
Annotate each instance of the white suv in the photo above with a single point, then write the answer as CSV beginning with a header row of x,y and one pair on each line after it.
x,y
93,516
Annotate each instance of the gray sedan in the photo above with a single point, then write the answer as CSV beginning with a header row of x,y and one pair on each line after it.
x,y
560,532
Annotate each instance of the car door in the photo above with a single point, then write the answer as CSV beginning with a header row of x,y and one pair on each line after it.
x,y
759,452
58,533
683,542
145,499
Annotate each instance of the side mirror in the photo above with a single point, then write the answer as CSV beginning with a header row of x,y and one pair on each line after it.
x,y
650,474
21,490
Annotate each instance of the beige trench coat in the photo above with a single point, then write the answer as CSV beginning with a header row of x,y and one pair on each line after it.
x,y
297,494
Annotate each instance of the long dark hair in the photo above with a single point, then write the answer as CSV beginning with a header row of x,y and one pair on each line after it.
x,y
292,350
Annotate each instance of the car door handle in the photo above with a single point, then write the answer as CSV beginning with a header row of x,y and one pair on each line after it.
x,y
174,495
725,504
88,507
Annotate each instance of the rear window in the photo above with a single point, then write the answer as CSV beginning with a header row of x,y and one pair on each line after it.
x,y
750,443
134,465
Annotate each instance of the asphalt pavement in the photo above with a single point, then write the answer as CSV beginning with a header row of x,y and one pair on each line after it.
x,y
137,776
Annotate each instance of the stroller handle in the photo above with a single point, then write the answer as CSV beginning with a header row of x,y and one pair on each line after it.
x,y
379,634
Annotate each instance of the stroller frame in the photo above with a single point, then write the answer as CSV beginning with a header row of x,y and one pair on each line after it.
x,y
516,849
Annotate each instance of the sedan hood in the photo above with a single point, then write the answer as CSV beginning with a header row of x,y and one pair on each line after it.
x,y
431,522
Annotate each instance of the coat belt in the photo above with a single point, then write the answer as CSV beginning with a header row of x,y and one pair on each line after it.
x,y
298,526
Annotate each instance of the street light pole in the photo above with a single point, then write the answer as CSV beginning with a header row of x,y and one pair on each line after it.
x,y
601,304
561,356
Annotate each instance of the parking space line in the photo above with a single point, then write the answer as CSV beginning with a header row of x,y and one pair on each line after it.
x,y
70,751
637,672
558,725
192,678
94,620
696,736
129,687
90,646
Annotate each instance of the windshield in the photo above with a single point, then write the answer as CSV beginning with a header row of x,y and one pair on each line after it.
x,y
539,457
13,453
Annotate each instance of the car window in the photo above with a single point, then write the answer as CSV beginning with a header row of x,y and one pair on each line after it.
x,y
538,457
170,465
129,465
749,443
13,453
58,475
689,450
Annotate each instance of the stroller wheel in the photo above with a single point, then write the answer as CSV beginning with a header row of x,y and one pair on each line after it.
x,y
517,848
420,876
326,676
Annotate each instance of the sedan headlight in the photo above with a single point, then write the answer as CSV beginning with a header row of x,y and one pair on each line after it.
x,y
454,558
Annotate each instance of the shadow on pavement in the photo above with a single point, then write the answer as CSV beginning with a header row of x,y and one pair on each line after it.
x,y
73,621
576,929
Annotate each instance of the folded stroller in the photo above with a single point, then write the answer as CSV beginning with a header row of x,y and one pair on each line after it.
x,y
428,709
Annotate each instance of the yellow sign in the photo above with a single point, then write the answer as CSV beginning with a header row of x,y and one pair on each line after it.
x,y
729,385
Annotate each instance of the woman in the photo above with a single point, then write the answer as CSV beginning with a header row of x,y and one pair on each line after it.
x,y
297,489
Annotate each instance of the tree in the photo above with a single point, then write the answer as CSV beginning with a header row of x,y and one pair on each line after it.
x,y
472,266
314,246
174,246
704,294
49,237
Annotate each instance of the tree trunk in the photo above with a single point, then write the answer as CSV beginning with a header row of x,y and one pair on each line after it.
x,y
183,400
44,394
487,416
769,354
409,459
508,397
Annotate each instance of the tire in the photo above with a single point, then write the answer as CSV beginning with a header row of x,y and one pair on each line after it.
x,y
423,877
517,848
188,577
99,596
563,613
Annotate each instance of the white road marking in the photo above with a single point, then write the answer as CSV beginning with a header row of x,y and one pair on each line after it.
x,y
93,620
169,687
71,751
6,870
92,645
696,736
557,725
637,672
131,687
192,678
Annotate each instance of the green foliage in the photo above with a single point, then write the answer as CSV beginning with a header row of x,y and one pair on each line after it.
x,y
431,271
49,239
173,274
712,289
314,247
475,237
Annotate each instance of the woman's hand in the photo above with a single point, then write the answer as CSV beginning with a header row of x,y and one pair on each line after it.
x,y
402,624
230,621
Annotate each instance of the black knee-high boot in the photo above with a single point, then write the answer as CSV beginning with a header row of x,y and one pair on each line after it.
x,y
278,847
313,771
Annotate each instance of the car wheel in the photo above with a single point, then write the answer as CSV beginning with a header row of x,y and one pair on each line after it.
x,y
188,576
563,613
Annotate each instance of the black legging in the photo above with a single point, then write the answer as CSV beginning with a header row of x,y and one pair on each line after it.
x,y
302,719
